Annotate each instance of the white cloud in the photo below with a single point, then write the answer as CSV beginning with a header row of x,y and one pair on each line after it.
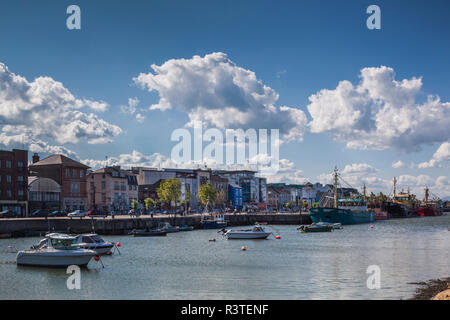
x,y
131,106
380,113
44,109
213,89
441,157
398,164
140,118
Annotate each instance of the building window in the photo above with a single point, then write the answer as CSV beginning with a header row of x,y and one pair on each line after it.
x,y
20,193
9,193
67,173
20,164
75,187
103,197
81,173
8,164
103,185
8,179
74,173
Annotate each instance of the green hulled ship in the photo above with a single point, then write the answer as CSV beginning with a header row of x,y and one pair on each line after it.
x,y
344,211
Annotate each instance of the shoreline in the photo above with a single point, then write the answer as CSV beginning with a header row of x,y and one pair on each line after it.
x,y
428,290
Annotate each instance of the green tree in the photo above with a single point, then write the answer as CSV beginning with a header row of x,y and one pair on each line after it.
x,y
208,194
149,202
169,191
134,205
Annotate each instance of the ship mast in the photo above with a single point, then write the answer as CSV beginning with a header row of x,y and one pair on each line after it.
x,y
395,186
427,194
335,187
364,192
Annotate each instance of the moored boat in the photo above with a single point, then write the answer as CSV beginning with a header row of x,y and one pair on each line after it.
x,y
430,208
213,222
56,250
167,227
148,233
344,211
315,228
93,241
257,232
185,227
333,225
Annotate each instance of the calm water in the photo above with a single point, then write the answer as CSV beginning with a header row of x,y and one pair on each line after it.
x,y
186,265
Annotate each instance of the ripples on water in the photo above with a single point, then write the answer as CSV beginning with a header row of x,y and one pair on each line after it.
x,y
186,265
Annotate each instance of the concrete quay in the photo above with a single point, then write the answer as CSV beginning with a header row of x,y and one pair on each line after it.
x,y
123,224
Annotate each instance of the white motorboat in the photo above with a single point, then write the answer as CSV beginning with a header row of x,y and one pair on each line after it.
x,y
167,227
93,241
337,225
257,232
56,250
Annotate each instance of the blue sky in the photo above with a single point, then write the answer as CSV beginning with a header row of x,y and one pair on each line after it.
x,y
296,48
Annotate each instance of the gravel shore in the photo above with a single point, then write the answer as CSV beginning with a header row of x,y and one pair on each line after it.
x,y
430,289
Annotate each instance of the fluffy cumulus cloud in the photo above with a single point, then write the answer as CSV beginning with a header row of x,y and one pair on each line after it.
x,y
42,110
214,90
380,112
441,158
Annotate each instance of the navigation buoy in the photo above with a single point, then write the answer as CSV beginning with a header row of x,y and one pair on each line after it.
x,y
278,237
96,258
371,227
118,244
243,248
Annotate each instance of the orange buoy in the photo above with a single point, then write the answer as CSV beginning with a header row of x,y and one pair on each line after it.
x,y
371,227
118,244
96,258
243,248
278,237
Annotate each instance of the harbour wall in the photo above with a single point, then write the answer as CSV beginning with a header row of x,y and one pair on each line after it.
x,y
123,224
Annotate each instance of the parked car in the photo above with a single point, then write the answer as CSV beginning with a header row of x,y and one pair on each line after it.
x,y
57,213
8,214
77,213
39,213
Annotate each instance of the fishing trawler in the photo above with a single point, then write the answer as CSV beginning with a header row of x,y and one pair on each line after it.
x,y
402,205
344,211
430,207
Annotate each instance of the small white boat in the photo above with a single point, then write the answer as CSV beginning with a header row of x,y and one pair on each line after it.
x,y
167,227
337,225
257,232
56,250
93,241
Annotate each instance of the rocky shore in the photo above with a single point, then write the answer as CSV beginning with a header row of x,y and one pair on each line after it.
x,y
436,289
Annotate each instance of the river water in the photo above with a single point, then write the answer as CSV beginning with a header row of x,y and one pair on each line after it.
x,y
186,265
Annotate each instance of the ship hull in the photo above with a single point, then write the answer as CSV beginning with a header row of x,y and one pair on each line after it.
x,y
343,216
429,212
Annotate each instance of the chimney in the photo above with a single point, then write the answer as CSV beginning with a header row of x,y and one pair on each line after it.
x,y
35,158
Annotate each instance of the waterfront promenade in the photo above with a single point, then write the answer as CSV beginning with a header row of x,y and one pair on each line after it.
x,y
121,224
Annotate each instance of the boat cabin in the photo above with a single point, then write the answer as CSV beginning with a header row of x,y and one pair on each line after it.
x,y
59,241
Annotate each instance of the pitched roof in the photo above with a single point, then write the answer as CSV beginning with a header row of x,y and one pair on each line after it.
x,y
59,159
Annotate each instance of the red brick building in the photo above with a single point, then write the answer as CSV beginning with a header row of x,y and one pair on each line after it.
x,y
14,181
69,174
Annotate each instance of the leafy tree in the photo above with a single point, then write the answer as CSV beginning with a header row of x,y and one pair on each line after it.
x,y
149,202
169,191
134,205
208,194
